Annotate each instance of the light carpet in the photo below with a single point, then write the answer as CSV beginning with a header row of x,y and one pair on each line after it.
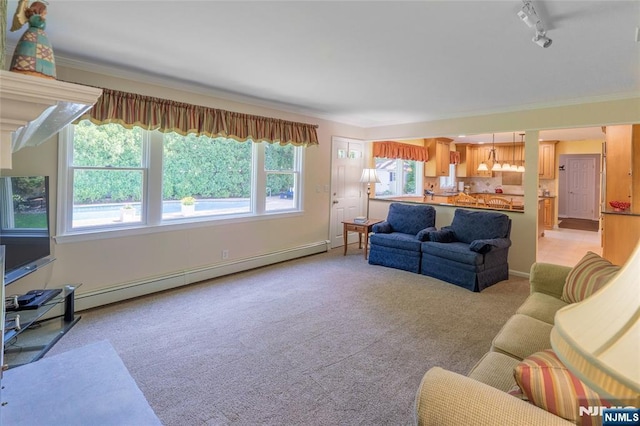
x,y
322,340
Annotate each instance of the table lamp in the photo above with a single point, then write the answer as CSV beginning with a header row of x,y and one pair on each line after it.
x,y
369,176
598,339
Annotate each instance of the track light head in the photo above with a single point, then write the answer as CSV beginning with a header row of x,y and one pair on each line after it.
x,y
542,40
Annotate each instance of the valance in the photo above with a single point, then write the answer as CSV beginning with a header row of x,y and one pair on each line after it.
x,y
129,109
391,150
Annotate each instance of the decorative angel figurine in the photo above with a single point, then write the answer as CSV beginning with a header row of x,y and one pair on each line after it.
x,y
33,54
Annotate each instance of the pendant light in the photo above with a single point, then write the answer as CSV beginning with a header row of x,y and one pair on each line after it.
x,y
492,155
514,166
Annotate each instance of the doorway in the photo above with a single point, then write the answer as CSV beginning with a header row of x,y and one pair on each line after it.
x,y
347,162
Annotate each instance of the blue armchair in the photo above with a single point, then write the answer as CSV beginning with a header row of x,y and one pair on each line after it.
x,y
472,252
396,242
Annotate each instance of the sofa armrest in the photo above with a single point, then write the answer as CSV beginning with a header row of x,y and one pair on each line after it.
x,y
382,227
444,235
447,398
486,245
548,278
424,234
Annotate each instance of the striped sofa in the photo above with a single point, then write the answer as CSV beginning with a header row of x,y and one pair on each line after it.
x,y
489,394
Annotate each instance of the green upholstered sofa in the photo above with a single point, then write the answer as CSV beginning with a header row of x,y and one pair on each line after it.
x,y
481,398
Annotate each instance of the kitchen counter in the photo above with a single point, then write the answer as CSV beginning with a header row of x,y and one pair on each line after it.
x,y
440,202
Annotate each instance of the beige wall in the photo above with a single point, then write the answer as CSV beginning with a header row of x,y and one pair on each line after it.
x,y
108,263
105,263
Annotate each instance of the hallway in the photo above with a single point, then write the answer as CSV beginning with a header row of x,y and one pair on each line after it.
x,y
567,246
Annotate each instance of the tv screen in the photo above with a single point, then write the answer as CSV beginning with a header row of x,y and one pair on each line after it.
x,y
24,223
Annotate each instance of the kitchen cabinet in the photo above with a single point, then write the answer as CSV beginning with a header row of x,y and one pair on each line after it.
x,y
621,230
439,157
622,158
547,160
474,155
620,234
548,213
541,227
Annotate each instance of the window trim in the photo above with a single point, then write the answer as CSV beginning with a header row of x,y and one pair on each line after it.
x,y
152,221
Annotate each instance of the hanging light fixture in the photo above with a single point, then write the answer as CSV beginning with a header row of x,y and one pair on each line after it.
x,y
492,155
514,166
521,166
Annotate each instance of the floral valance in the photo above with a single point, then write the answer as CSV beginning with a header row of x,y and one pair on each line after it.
x,y
129,109
392,150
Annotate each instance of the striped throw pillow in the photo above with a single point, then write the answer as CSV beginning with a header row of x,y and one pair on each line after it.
x,y
588,276
548,384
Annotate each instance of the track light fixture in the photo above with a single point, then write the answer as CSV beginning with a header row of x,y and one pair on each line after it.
x,y
530,17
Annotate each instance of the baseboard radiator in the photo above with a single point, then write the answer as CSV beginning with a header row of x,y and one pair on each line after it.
x,y
133,289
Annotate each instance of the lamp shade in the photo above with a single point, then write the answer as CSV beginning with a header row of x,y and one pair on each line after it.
x,y
369,176
496,167
598,339
483,167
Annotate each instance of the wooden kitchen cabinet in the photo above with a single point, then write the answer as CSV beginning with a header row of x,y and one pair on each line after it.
x,y
547,160
620,235
548,213
439,157
622,145
476,155
541,218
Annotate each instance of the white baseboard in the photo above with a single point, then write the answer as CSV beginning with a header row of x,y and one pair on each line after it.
x,y
133,289
519,273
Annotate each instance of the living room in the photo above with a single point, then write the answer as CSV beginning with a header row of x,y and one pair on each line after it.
x,y
131,262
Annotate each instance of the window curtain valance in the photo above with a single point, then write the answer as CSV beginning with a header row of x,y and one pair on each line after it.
x,y
393,150
129,109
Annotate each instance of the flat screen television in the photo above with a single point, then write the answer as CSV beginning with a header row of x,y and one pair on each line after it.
x,y
24,224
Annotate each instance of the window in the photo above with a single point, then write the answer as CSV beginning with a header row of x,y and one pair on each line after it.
x,y
218,187
114,178
281,176
398,177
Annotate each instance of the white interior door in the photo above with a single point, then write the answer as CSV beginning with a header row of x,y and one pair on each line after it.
x,y
346,190
581,185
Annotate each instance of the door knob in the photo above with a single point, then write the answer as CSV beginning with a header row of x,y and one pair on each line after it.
x,y
335,201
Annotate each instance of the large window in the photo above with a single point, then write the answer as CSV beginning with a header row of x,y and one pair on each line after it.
x,y
113,178
398,177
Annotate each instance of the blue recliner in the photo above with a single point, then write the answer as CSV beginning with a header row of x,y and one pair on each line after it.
x,y
472,252
396,241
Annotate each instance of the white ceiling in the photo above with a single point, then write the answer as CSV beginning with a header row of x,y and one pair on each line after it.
x,y
360,62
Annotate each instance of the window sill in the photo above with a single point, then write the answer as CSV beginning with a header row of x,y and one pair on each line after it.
x,y
168,226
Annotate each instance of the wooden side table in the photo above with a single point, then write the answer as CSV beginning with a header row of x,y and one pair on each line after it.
x,y
362,229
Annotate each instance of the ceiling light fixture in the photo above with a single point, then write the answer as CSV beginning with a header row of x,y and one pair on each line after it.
x,y
521,167
482,167
530,17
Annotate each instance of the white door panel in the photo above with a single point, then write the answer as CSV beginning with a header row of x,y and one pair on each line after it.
x,y
581,201
346,190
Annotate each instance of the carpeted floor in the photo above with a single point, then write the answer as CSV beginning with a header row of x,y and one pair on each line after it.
x,y
579,224
322,340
